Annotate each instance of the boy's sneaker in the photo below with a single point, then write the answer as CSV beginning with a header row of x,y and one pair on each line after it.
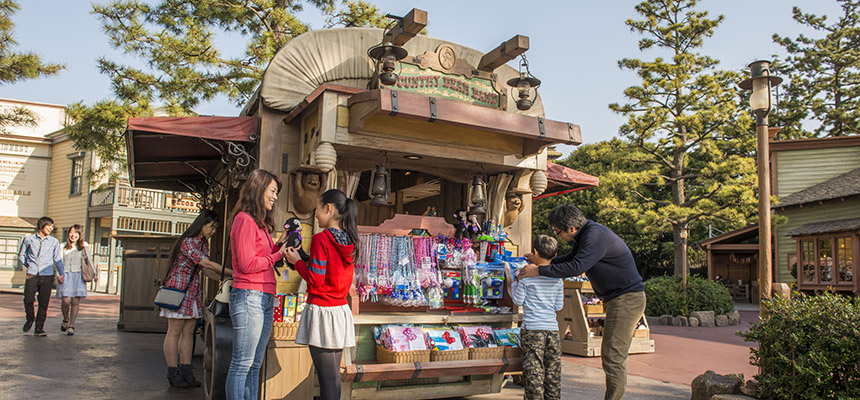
x,y
39,332
28,325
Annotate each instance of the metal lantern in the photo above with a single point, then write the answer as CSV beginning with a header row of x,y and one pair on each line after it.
x,y
538,183
477,200
760,81
387,54
523,85
380,187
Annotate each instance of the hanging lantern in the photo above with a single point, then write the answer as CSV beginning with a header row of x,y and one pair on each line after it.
x,y
538,183
380,187
522,86
388,55
477,200
325,156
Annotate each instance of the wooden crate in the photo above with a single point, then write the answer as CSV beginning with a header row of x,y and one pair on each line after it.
x,y
593,308
577,285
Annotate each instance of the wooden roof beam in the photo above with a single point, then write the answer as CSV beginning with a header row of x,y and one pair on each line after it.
x,y
505,52
407,28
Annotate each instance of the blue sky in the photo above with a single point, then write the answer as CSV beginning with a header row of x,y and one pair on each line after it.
x,y
575,46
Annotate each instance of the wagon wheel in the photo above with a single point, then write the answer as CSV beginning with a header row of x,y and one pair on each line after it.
x,y
218,339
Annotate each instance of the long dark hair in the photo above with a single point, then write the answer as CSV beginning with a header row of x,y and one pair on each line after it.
x,y
348,215
80,242
205,217
251,198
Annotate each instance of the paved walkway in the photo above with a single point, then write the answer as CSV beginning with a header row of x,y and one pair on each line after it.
x,y
100,362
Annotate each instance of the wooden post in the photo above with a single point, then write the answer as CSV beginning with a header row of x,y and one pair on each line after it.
x,y
503,53
764,248
408,27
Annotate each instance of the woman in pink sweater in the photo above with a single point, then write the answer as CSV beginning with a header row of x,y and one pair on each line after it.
x,y
252,297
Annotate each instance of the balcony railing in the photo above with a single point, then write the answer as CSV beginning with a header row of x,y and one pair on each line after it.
x,y
145,199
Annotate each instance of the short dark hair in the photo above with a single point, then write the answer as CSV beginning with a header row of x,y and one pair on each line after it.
x,y
44,221
545,246
565,216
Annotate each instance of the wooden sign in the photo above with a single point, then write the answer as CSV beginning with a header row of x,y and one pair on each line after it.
x,y
182,203
473,90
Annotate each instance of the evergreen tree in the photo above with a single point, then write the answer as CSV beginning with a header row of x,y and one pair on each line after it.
x,y
823,75
685,121
184,66
18,66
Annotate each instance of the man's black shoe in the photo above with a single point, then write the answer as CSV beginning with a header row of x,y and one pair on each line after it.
x,y
39,332
28,325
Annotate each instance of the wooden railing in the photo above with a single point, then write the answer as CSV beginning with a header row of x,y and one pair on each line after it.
x,y
127,196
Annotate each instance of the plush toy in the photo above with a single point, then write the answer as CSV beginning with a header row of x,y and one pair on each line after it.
x,y
460,227
293,226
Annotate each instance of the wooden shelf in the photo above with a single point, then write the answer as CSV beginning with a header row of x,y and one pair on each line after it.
x,y
574,318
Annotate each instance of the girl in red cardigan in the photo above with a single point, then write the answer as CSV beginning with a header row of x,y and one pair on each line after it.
x,y
326,325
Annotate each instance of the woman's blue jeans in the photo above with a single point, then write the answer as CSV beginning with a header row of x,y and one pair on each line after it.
x,y
252,313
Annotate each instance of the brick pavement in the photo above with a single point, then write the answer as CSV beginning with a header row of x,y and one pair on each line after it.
x,y
133,361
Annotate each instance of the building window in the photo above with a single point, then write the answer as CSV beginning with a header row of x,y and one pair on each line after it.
x,y
77,175
9,252
826,260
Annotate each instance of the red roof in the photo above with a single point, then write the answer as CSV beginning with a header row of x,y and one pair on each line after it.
x,y
179,153
565,180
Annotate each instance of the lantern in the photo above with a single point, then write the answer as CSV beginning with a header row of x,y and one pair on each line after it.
x,y
523,85
388,55
477,200
760,81
380,187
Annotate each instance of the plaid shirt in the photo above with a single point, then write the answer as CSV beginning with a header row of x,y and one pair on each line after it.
x,y
191,252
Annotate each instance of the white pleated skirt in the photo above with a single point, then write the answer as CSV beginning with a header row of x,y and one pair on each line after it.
x,y
326,327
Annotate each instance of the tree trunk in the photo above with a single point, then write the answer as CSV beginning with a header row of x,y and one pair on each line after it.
x,y
679,246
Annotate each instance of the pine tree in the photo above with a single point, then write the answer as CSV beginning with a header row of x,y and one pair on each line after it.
x,y
684,119
175,40
18,66
823,75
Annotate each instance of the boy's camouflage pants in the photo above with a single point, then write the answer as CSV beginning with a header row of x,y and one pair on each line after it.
x,y
541,364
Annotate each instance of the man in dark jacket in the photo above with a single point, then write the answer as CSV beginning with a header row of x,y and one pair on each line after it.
x,y
609,265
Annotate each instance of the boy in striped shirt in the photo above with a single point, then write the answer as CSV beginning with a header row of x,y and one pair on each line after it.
x,y
541,297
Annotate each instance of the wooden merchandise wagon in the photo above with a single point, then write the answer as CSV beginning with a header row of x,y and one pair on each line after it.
x,y
325,120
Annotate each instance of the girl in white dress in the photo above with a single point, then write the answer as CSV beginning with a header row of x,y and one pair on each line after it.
x,y
73,289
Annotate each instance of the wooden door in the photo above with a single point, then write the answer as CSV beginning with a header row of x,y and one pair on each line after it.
x,y
143,272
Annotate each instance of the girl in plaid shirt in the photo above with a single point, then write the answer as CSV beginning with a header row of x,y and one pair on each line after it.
x,y
189,255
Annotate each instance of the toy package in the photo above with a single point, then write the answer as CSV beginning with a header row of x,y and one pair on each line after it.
x,y
443,339
290,308
507,337
477,336
279,308
403,338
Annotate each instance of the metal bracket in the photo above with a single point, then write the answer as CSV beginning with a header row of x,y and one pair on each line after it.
x,y
570,132
417,370
505,366
541,127
359,371
395,105
432,109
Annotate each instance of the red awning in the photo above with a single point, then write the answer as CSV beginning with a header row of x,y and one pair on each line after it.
x,y
563,180
180,153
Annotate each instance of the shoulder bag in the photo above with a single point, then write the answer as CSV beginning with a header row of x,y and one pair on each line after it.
x,y
171,298
88,273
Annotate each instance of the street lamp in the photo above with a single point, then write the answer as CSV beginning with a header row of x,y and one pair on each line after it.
x,y
761,82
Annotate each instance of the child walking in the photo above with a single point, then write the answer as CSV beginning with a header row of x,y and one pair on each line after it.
x,y
541,297
326,326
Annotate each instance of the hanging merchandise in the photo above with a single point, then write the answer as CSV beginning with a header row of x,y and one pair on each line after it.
x,y
399,271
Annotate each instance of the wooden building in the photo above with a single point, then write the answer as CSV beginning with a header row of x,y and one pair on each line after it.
x,y
733,258
817,182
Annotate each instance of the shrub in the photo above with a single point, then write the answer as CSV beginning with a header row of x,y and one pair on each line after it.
x,y
808,348
666,296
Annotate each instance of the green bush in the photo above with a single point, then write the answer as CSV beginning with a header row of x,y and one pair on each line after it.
x,y
808,348
666,296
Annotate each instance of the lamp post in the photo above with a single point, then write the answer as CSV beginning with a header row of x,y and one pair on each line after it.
x,y
761,81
